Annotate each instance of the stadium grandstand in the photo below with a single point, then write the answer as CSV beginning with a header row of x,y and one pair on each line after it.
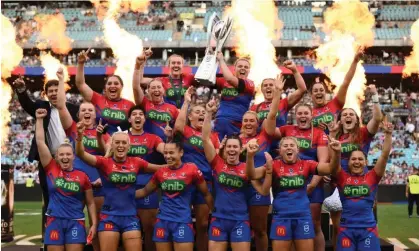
x,y
180,27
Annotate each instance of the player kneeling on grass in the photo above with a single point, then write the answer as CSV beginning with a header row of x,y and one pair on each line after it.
x,y
291,220
357,190
176,181
68,189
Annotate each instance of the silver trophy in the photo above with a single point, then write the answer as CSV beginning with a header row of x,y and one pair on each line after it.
x,y
219,30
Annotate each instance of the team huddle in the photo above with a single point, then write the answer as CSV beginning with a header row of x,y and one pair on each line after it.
x,y
142,168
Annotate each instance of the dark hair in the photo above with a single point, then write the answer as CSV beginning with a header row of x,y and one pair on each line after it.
x,y
50,83
231,136
365,156
321,83
305,105
136,107
116,76
177,143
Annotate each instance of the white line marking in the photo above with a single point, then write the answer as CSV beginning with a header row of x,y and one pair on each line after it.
x,y
15,238
26,241
396,242
414,240
27,214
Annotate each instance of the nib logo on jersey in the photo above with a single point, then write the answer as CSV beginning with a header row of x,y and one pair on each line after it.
x,y
229,92
159,116
171,92
89,142
324,118
356,191
264,114
173,187
123,178
67,186
349,147
230,180
137,150
303,143
292,182
195,141
113,114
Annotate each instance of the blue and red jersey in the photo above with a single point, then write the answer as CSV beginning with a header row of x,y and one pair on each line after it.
x,y
176,87
327,113
157,116
262,111
357,194
194,150
234,101
307,139
119,183
264,141
90,145
89,138
66,191
176,186
143,146
361,142
231,185
113,113
289,186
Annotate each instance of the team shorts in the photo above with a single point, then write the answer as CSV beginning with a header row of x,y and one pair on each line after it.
x,y
151,201
256,199
358,239
121,224
197,197
317,196
226,127
292,229
170,231
229,230
59,231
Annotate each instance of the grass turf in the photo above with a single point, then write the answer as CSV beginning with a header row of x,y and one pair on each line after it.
x,y
392,222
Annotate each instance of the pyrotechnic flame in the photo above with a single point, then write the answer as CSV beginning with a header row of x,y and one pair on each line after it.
x,y
125,46
256,24
412,61
52,33
11,54
51,66
348,24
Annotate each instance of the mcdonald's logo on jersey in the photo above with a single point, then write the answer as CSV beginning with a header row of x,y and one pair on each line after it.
x,y
280,231
346,242
215,232
108,226
54,235
160,232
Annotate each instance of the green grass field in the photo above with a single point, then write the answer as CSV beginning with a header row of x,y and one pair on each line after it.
x,y
393,222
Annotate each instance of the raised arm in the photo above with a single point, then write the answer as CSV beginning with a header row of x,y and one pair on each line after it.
x,y
148,189
27,104
101,144
136,80
183,114
80,152
145,81
44,153
65,116
343,89
83,88
265,187
377,116
334,166
296,96
269,124
380,166
209,148
227,74
203,188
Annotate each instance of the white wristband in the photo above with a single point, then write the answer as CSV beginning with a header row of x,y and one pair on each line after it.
x,y
374,98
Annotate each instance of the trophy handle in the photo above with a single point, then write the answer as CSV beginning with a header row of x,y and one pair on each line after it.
x,y
212,21
224,33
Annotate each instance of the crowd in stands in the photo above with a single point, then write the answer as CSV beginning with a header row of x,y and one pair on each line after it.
x,y
15,150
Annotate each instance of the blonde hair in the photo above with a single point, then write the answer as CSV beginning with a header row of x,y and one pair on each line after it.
x,y
247,59
287,138
249,112
109,152
175,55
66,144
